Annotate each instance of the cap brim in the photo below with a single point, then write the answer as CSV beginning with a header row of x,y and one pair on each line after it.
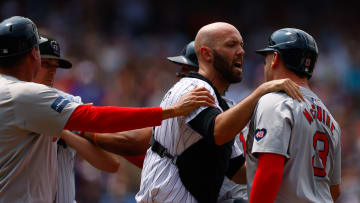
x,y
42,39
264,51
181,60
62,62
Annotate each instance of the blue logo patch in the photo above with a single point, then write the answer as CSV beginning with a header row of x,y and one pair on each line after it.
x,y
260,134
59,104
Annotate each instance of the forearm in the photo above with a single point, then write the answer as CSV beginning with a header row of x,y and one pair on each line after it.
x,y
98,158
128,143
240,176
113,119
229,123
267,178
335,192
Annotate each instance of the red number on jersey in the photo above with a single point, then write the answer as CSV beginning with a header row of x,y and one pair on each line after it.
x,y
319,136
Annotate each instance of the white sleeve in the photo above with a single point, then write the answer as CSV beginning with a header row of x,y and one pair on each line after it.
x,y
70,97
273,121
40,109
236,149
199,84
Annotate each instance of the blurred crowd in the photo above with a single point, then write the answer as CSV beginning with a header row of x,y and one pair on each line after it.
x,y
119,49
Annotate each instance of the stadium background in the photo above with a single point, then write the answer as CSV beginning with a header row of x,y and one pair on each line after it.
x,y
118,51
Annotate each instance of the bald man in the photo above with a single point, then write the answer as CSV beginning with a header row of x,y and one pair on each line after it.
x,y
190,156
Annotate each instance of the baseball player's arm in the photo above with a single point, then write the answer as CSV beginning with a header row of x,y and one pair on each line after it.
x,y
240,175
232,121
335,192
115,119
268,173
97,157
128,143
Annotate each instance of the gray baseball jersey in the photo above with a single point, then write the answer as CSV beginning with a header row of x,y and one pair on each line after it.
x,y
307,135
28,166
160,181
66,159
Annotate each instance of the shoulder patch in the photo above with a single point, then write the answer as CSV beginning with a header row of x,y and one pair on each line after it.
x,y
59,104
260,133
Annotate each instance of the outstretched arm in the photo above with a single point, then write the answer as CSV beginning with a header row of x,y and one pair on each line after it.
x,y
232,121
107,119
97,157
127,143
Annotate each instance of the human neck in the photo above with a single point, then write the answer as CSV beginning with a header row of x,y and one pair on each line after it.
x,y
303,82
19,72
215,79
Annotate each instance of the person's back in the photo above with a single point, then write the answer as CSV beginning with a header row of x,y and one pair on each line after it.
x,y
293,146
20,146
307,175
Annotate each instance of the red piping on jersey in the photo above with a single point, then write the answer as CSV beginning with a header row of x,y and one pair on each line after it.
x,y
267,178
136,160
109,119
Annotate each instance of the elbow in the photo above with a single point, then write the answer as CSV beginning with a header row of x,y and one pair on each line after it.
x,y
221,138
218,140
113,167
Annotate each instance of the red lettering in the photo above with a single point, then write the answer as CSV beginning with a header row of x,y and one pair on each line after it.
x,y
319,113
328,121
308,116
332,128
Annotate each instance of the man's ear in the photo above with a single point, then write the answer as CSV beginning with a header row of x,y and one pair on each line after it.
x,y
35,53
207,54
275,59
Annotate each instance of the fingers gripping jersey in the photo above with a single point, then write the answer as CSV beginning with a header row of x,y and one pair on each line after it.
x,y
160,181
307,135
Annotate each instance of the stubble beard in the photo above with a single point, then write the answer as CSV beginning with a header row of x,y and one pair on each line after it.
x,y
225,69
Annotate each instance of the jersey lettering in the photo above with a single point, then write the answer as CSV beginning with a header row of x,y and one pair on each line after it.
x,y
316,112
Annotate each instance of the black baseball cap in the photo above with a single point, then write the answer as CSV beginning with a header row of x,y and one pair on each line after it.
x,y
50,49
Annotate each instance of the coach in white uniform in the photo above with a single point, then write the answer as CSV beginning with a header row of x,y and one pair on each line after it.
x,y
294,150
50,61
219,47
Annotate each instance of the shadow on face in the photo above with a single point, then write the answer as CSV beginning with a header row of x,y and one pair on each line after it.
x,y
47,72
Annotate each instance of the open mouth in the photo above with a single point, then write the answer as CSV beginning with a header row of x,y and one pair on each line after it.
x,y
238,64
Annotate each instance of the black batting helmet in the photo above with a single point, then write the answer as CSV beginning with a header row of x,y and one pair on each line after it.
x,y
297,49
18,35
187,57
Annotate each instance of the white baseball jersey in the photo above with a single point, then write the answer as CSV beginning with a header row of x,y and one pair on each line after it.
x,y
28,165
160,181
66,159
307,135
230,190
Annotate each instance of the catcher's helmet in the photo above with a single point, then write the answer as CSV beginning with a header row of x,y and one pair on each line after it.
x,y
297,49
18,35
187,57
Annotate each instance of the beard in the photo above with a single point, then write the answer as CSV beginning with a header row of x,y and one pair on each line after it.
x,y
225,69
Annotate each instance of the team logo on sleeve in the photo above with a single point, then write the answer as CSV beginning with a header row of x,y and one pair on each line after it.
x,y
260,134
59,104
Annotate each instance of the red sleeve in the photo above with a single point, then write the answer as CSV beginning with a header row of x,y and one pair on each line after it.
x,y
109,119
136,160
267,178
